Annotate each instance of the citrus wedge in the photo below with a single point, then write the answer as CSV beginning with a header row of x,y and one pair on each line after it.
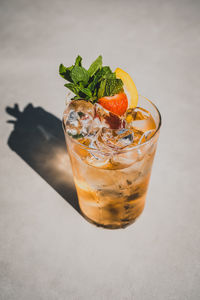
x,y
116,104
129,85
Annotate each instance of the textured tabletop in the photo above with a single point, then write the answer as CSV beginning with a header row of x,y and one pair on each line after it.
x,y
47,250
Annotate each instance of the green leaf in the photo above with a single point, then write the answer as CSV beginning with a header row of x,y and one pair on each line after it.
x,y
93,84
113,86
76,98
110,87
73,87
81,85
109,76
62,69
103,71
102,88
93,99
78,61
79,74
65,72
86,91
80,92
95,66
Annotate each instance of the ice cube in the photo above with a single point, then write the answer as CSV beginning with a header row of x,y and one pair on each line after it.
x,y
140,119
95,127
98,159
116,138
146,136
78,118
137,113
108,119
124,159
88,142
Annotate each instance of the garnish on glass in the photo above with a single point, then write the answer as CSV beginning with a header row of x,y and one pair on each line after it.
x,y
100,84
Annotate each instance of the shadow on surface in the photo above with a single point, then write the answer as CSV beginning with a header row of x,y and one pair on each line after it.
x,y
39,140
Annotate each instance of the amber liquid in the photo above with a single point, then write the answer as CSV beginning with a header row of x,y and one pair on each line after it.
x,y
112,189
112,195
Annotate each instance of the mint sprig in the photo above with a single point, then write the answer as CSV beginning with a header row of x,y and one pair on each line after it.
x,y
95,66
96,82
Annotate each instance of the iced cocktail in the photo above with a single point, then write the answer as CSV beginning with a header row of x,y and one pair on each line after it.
x,y
111,153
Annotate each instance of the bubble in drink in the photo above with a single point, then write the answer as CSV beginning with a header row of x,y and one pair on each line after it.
x,y
78,118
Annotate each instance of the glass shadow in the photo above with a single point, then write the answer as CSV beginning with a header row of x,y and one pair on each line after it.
x,y
38,139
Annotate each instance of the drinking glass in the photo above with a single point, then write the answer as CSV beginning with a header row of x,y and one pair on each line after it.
x,y
112,188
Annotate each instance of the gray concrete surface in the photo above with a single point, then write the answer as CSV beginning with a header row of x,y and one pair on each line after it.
x,y
47,250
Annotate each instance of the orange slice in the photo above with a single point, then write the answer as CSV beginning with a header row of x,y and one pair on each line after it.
x,y
129,85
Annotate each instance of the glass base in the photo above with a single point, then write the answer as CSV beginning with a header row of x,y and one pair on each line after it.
x,y
110,226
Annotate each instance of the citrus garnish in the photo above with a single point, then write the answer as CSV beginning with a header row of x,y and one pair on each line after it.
x,y
129,85
100,85
116,104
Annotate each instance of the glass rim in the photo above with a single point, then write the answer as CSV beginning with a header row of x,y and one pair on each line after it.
x,y
116,151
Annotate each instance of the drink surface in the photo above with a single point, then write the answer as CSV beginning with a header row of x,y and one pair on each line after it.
x,y
111,159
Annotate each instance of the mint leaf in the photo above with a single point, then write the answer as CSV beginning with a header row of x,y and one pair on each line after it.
x,y
65,72
93,84
80,92
109,76
73,87
86,91
76,98
103,71
62,69
101,91
93,99
110,87
79,74
95,66
78,61
99,81
113,86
